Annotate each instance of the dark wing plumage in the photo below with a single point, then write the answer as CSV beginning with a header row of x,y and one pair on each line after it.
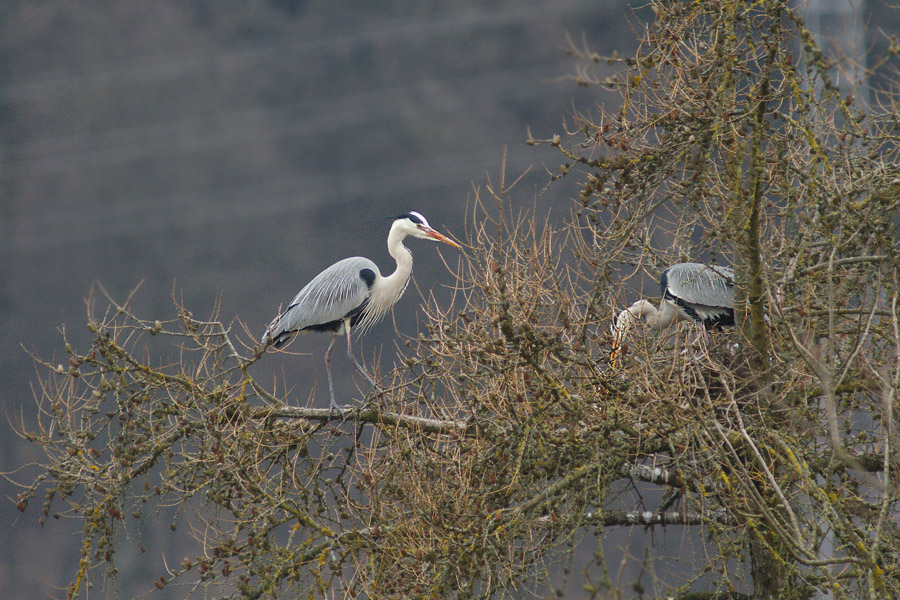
x,y
337,293
704,293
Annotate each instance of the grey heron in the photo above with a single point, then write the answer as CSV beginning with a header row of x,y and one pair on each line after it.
x,y
352,294
704,293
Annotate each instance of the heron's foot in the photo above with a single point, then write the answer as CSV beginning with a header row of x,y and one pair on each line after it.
x,y
343,411
367,403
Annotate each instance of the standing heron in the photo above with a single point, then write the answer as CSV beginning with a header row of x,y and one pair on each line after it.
x,y
352,293
704,293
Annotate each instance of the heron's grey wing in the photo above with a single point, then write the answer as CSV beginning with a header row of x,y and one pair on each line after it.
x,y
331,296
698,284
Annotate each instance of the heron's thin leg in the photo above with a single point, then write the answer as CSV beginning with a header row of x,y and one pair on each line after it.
x,y
334,405
356,363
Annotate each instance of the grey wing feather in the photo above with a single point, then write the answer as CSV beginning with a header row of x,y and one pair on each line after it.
x,y
706,285
330,296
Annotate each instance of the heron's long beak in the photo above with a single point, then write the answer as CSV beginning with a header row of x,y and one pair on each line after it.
x,y
615,350
440,237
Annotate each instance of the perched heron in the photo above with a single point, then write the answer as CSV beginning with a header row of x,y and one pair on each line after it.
x,y
704,293
352,293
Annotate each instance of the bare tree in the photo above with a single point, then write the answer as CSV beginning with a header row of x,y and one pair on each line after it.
x,y
505,438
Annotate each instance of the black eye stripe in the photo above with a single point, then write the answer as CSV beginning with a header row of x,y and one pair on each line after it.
x,y
412,217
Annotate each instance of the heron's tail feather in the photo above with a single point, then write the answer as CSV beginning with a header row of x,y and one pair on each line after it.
x,y
283,338
276,334
279,339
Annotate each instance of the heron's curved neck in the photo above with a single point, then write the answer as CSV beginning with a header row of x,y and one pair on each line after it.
x,y
401,254
642,309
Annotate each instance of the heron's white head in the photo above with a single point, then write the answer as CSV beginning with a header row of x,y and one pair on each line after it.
x,y
414,224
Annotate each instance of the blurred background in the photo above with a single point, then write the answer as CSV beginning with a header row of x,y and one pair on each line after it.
x,y
229,151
